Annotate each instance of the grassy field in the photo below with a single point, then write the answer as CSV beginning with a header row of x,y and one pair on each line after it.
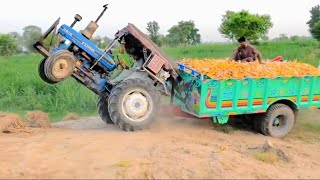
x,y
22,90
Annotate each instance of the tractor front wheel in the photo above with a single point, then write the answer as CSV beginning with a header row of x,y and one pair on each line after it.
x,y
60,66
42,72
134,104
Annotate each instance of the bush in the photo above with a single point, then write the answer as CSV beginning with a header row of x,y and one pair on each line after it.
x,y
8,45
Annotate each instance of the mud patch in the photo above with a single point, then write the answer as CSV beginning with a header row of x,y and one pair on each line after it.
x,y
38,119
269,154
10,123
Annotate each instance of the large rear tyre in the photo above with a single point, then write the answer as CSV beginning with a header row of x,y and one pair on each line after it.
x,y
103,109
278,121
42,73
134,104
60,66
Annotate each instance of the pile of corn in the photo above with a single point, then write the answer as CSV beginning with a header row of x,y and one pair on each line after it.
x,y
225,69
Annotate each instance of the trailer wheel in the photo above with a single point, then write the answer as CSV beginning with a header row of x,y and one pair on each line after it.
x,y
103,109
134,104
60,66
42,73
278,121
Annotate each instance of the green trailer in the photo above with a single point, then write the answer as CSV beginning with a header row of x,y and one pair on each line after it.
x,y
272,104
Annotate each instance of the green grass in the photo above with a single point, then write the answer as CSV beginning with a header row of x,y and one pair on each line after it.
x,y
21,89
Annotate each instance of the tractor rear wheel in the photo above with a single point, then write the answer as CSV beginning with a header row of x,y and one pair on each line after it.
x,y
60,66
278,121
134,104
103,109
42,73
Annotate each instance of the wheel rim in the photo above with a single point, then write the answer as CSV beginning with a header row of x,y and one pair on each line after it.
x,y
137,105
61,68
279,123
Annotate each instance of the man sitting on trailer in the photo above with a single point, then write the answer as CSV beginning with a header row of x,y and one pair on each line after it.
x,y
246,52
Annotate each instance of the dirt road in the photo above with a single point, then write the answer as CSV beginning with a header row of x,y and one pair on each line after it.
x,y
171,148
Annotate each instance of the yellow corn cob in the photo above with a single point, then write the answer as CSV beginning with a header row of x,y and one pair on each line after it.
x,y
225,69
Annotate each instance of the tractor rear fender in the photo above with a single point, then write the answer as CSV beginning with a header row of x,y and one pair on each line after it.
x,y
144,75
140,75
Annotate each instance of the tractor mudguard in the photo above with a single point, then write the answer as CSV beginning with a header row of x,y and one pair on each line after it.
x,y
140,75
122,76
125,74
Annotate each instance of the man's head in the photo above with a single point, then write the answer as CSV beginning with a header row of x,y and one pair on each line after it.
x,y
243,42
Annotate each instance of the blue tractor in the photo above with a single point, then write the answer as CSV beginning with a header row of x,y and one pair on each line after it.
x,y
130,102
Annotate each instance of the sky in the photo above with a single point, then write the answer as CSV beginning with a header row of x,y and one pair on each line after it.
x,y
288,16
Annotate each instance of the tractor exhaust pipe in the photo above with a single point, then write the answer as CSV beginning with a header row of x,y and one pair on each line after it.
x,y
93,26
105,7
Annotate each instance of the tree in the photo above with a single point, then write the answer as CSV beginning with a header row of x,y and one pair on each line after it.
x,y
18,39
314,22
283,37
153,32
315,31
252,26
8,45
185,33
31,34
15,35
98,40
295,38
265,38
103,42
315,16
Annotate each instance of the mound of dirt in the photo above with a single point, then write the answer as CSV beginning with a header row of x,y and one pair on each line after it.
x,y
38,119
71,117
269,154
10,123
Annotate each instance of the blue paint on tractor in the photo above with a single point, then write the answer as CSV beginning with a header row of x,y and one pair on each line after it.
x,y
94,64
86,45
